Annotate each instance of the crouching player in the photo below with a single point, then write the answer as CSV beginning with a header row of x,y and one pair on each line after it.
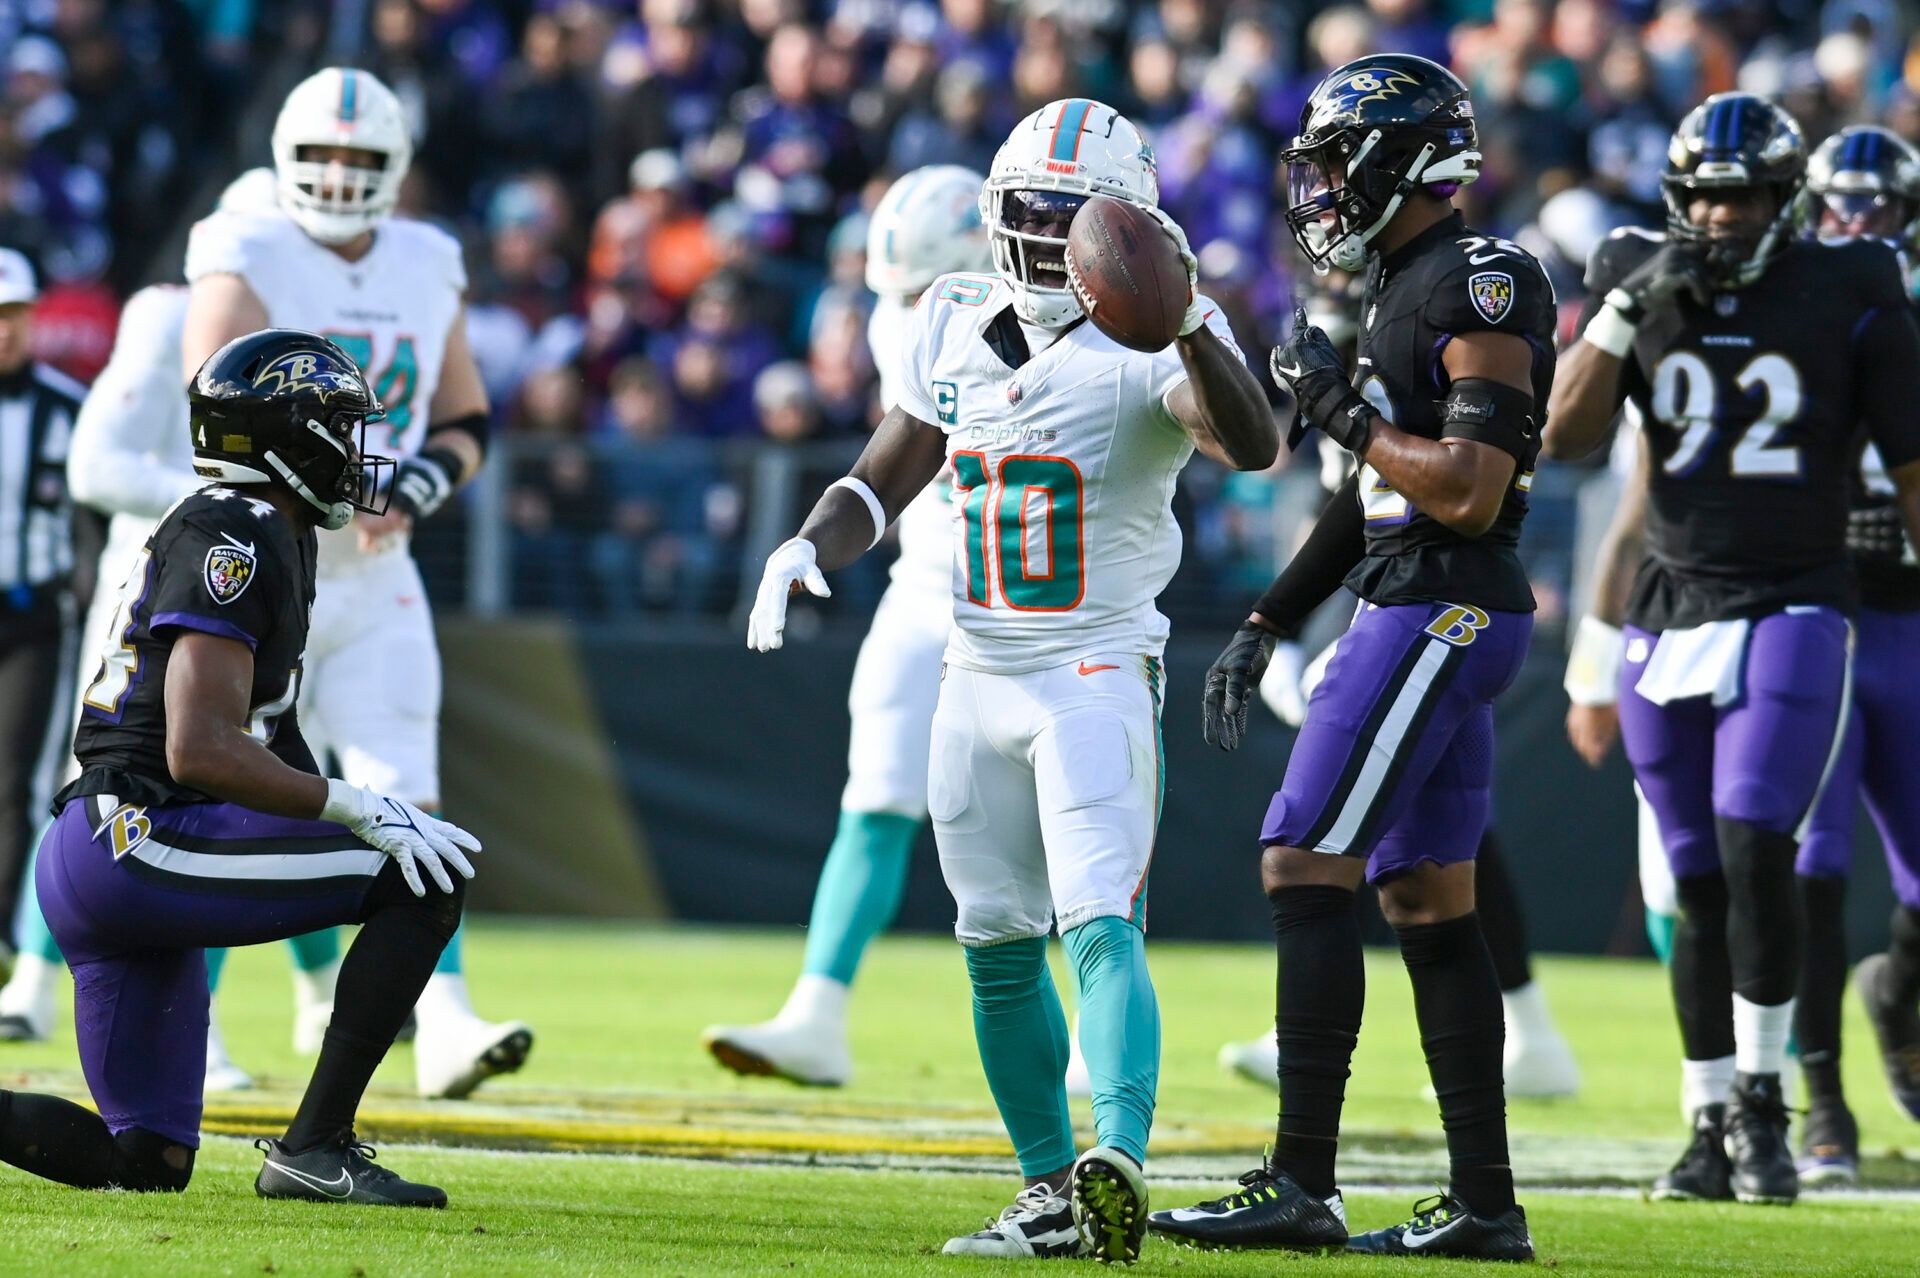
x,y
199,818
1045,773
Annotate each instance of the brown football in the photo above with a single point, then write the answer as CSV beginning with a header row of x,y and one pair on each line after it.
x,y
1127,274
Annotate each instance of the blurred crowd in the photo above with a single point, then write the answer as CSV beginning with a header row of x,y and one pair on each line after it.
x,y
665,201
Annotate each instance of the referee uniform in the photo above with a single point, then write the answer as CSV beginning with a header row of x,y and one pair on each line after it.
x,y
37,410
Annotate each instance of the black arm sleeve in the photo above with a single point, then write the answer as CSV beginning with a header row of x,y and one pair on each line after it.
x,y
1316,570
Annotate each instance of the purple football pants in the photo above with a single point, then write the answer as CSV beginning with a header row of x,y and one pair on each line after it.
x,y
1395,760
1761,758
1880,759
134,896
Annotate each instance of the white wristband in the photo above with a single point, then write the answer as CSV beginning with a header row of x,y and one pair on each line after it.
x,y
859,489
1611,331
344,802
1593,666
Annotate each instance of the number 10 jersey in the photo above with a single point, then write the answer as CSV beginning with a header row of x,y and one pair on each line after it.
x,y
1064,463
1754,407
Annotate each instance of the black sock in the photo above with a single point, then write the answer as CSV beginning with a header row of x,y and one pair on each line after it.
x,y
1763,911
1701,973
1823,980
1320,992
1457,1000
380,981
1501,920
1903,956
55,1139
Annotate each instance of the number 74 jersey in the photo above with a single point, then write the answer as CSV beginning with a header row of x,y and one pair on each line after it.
x,y
1754,407
1064,462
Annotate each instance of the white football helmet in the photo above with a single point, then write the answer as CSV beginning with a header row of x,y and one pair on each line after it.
x,y
926,225
1076,149
340,106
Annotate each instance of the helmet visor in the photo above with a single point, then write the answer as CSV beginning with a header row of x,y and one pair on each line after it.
x,y
1036,223
1313,203
1876,214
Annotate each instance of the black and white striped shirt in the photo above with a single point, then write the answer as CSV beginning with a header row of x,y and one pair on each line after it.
x,y
38,405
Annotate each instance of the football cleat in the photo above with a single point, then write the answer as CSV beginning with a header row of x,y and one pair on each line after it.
x,y
1756,1141
1270,1210
1898,1029
804,1052
340,1171
1038,1226
22,1029
456,1058
1257,1060
1830,1146
1540,1066
1703,1172
1445,1226
222,1074
1110,1205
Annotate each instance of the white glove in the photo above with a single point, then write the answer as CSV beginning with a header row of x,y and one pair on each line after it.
x,y
403,832
790,562
1280,686
1196,315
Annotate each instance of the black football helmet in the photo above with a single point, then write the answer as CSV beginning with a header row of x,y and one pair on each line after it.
x,y
1868,180
1735,140
290,408
1371,133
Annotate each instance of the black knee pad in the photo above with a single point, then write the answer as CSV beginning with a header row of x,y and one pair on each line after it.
x,y
438,911
149,1163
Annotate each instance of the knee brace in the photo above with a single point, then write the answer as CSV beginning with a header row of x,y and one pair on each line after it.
x,y
148,1163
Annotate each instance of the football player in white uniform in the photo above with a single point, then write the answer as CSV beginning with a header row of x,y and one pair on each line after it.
x,y
331,259
1044,780
926,225
131,457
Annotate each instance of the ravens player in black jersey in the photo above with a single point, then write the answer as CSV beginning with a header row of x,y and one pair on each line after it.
x,y
1865,181
200,819
1389,780
1754,358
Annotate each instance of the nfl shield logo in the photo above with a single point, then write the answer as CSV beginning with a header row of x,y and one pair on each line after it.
x,y
1492,293
229,572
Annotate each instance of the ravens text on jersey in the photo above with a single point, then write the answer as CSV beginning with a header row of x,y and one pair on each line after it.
x,y
1446,282
1753,407
222,563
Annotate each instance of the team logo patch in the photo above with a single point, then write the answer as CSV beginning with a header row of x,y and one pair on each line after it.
x,y
305,370
230,571
1492,293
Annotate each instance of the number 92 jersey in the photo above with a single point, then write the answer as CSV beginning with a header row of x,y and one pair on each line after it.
x,y
1445,283
1753,407
1064,463
221,563
391,310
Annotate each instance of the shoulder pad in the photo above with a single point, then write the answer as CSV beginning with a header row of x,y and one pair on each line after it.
x,y
1615,257
233,243
426,242
1500,290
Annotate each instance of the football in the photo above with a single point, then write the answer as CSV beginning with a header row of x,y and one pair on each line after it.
x,y
1127,273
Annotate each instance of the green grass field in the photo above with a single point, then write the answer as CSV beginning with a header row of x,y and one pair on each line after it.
x,y
764,1177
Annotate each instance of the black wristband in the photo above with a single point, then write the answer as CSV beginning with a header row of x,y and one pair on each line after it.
x,y
1336,544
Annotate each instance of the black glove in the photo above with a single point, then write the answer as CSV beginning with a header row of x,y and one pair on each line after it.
x,y
1231,681
422,484
1876,532
1309,366
1674,271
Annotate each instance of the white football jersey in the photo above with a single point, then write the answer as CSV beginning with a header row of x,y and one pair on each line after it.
x,y
131,454
926,554
1063,480
391,311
